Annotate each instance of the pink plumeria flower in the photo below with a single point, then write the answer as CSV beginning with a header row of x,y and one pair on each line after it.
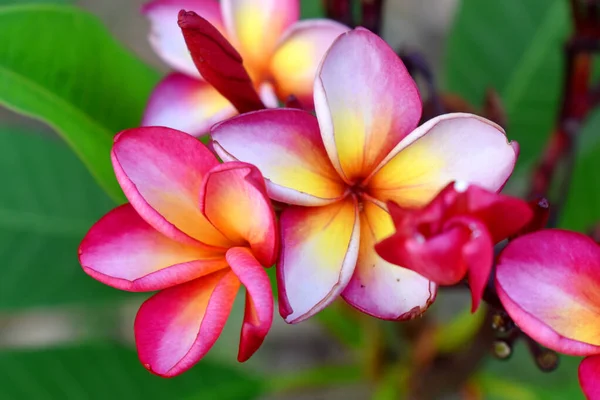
x,y
549,283
280,53
454,235
337,171
195,230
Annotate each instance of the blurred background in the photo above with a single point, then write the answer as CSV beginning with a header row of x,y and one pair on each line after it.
x,y
65,336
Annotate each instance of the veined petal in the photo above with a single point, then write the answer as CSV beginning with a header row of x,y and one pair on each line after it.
x,y
176,327
161,172
318,256
549,283
219,62
166,37
379,288
234,199
258,315
589,377
298,55
461,147
286,146
366,102
186,104
255,26
123,251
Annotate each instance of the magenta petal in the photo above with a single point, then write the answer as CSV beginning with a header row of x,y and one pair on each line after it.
x,y
176,327
258,316
186,104
218,62
549,283
124,251
589,377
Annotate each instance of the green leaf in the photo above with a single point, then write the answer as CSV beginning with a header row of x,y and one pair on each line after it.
x,y
106,371
48,202
582,209
515,47
311,9
520,378
60,65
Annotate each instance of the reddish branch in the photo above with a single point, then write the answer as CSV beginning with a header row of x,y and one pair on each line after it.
x,y
578,100
342,11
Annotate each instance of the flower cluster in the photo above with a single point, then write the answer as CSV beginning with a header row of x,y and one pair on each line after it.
x,y
375,209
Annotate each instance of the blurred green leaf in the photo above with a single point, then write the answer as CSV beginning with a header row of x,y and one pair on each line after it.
x,y
516,48
459,331
105,371
60,65
520,376
582,209
311,9
48,202
22,2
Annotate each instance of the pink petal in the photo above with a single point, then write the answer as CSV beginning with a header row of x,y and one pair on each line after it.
x,y
176,327
298,55
286,146
549,283
259,300
318,256
165,35
255,27
366,102
451,147
234,199
186,104
161,172
218,62
379,288
589,377
123,251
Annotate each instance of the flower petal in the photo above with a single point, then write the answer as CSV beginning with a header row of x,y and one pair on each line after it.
x,y
258,316
549,283
218,62
165,35
319,252
379,288
366,102
176,327
589,377
121,250
461,147
255,27
161,172
298,55
286,146
186,104
234,199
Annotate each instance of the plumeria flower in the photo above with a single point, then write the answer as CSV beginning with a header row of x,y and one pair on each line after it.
x,y
195,230
337,171
280,53
454,235
549,283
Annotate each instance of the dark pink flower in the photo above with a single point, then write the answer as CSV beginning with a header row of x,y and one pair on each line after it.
x,y
195,230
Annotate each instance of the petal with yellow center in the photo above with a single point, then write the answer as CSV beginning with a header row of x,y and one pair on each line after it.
x,y
318,256
381,289
286,146
298,55
255,26
234,199
123,251
365,100
451,147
